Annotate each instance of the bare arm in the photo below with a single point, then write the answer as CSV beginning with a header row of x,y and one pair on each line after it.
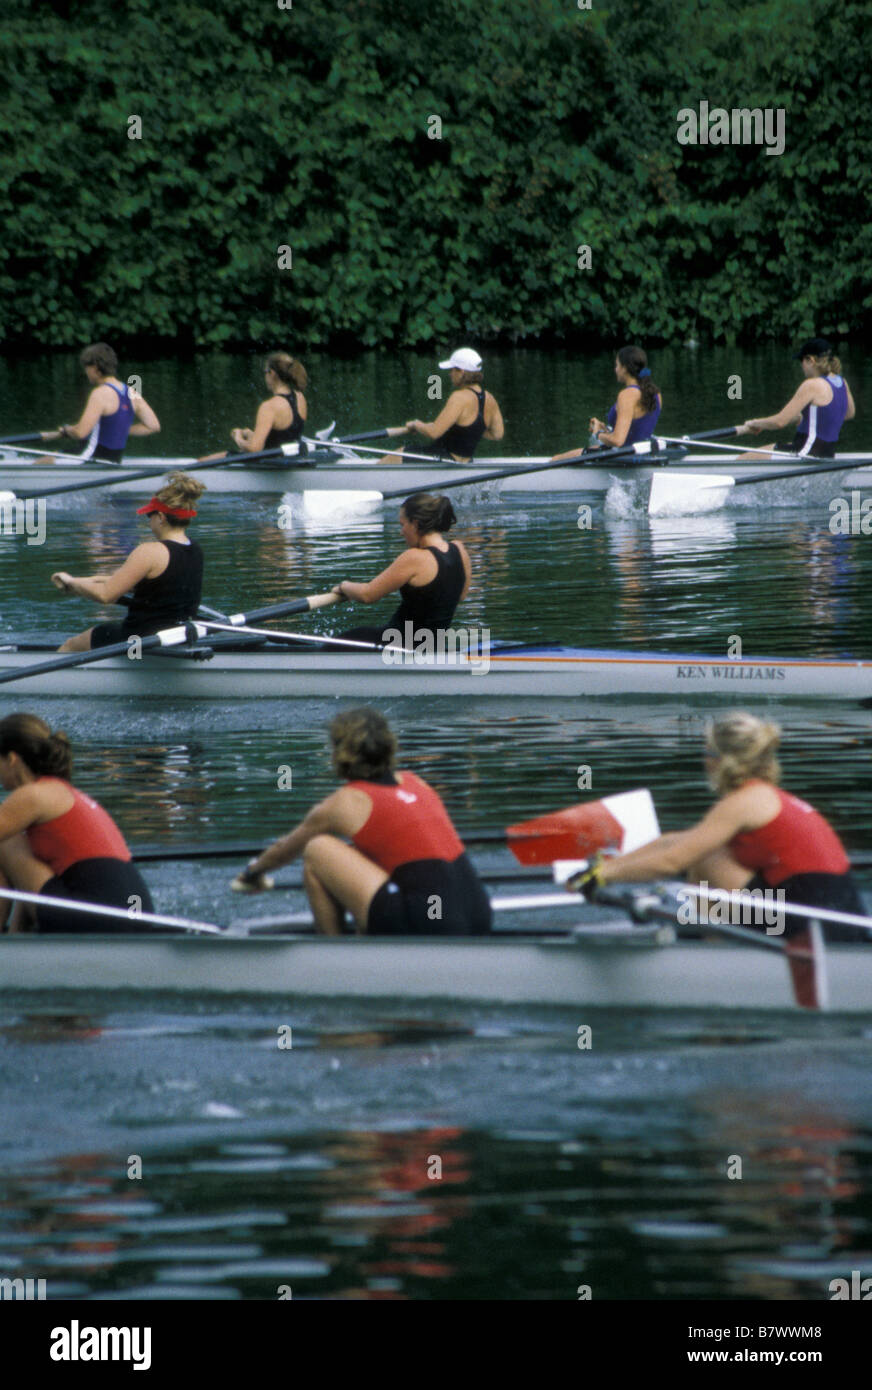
x,y
496,429
803,396
444,420
626,404
672,854
148,421
852,409
406,566
147,561
20,810
94,410
333,816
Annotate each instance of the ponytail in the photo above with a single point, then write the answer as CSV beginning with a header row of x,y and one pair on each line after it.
x,y
429,512
635,360
44,753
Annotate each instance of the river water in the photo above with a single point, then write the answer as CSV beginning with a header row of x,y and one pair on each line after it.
x,y
312,1168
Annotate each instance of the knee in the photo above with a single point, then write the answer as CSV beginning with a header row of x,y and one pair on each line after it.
x,y
316,849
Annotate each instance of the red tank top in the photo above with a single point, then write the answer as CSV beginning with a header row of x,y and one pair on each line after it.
x,y
797,841
407,822
86,831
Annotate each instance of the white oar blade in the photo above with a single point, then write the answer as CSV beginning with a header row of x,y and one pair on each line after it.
x,y
317,505
688,494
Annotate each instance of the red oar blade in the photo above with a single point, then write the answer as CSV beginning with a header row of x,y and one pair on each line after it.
x,y
615,823
807,959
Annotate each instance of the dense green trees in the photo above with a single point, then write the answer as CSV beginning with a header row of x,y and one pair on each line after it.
x,y
310,127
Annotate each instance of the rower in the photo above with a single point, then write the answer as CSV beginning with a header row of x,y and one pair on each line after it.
x,y
822,404
432,574
756,836
633,417
469,415
281,417
56,841
112,408
165,574
405,873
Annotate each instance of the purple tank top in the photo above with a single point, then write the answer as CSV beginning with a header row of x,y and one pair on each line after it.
x,y
114,429
640,429
824,421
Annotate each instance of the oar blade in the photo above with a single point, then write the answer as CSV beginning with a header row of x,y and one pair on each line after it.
x,y
808,968
320,505
620,823
688,494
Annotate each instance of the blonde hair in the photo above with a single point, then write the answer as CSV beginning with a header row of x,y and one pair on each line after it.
x,y
181,491
745,748
288,369
828,363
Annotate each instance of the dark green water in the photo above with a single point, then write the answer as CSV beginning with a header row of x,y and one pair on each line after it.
x,y
559,1167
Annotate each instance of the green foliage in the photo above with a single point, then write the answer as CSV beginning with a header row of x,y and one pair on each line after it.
x,y
308,127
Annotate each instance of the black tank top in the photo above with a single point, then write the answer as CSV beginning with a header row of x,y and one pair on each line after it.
x,y
293,431
171,598
463,440
431,606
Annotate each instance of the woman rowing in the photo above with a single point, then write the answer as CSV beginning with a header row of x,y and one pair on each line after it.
x,y
405,872
165,573
633,417
56,841
756,836
281,417
820,405
113,411
432,574
469,415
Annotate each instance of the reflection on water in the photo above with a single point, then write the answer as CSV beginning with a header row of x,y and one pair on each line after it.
x,y
617,1171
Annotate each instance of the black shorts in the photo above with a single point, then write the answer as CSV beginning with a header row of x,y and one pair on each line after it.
x,y
107,634
431,897
108,882
821,449
835,892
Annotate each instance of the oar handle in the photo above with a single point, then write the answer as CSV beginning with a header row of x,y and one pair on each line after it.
x,y
713,434
40,437
284,610
388,432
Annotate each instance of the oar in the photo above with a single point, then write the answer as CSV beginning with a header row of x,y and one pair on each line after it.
x,y
283,610
149,919
386,432
701,492
41,436
169,637
636,454
113,479
805,954
294,638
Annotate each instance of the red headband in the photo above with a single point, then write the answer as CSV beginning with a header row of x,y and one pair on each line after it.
x,y
156,505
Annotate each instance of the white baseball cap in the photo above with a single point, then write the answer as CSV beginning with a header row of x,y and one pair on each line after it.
x,y
464,359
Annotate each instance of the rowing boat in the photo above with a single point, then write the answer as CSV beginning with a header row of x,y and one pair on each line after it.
x,y
619,966
344,471
538,672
